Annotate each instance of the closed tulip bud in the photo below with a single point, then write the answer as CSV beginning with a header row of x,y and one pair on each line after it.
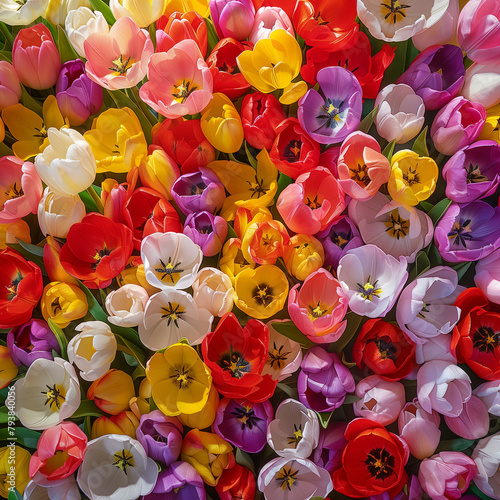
x,y
419,429
206,230
57,10
486,454
80,23
10,88
17,459
482,84
9,233
159,172
112,392
232,18
473,422
143,14
457,125
57,213
63,303
35,57
126,305
67,165
124,423
489,394
181,26
221,124
93,350
212,290
140,404
303,255
53,264
9,368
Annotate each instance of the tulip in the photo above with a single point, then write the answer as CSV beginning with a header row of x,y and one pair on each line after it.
x,y
232,261
67,165
48,394
236,482
78,97
52,262
161,436
179,81
125,423
9,84
371,279
438,347
16,14
9,368
221,124
142,15
126,305
31,341
473,422
447,474
212,290
206,416
444,387
9,233
207,231
35,57
400,115
294,432
112,391
14,459
268,19
303,255
482,84
159,172
232,18
117,141
489,394
457,125
208,453
393,23
487,457
181,26
301,477
323,381
419,429
66,489
263,242
487,277
59,454
80,23
103,473
479,30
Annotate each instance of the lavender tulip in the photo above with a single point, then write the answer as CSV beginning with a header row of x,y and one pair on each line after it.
x,y
207,231
243,423
436,75
331,444
324,380
77,95
468,232
30,341
199,191
331,114
473,172
160,436
232,18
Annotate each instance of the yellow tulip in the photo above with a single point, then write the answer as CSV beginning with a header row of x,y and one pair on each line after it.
x,y
112,392
199,6
204,418
10,232
413,178
8,369
491,129
273,63
303,255
232,261
14,469
158,171
142,13
125,423
63,302
134,274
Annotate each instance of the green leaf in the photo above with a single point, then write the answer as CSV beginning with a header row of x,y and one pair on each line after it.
x,y
7,35
291,392
212,37
23,436
289,330
89,203
66,50
251,159
33,249
104,10
422,264
33,258
462,268
14,495
461,444
243,458
353,323
367,121
283,182
4,415
438,210
231,233
60,336
434,256
30,103
351,398
87,409
133,350
425,206
324,418
389,150
479,493
420,146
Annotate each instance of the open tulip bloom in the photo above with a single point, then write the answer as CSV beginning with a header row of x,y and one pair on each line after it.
x,y
249,249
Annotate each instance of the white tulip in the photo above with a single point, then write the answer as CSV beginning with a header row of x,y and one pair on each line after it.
x,y
487,457
212,290
489,394
143,13
18,13
80,23
66,489
126,305
482,84
58,9
48,394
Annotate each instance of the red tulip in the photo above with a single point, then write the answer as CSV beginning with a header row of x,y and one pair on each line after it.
x,y
236,482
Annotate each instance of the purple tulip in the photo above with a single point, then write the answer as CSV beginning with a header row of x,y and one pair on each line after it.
x,y
331,114
436,75
30,341
328,453
160,436
473,172
232,18
457,125
243,424
179,481
77,95
468,232
199,191
206,230
323,380
338,239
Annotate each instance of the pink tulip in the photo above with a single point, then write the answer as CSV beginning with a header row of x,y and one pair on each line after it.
x,y
318,309
35,57
361,166
487,276
457,125
268,19
447,475
479,30
312,202
20,189
118,59
10,88
180,82
473,422
419,429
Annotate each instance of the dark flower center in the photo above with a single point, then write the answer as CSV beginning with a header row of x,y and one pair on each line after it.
x,y
263,295
396,226
380,463
474,174
276,356
486,339
386,348
460,233
234,363
292,150
395,9
246,416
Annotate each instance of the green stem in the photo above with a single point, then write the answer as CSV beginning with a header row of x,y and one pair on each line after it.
x,y
96,199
